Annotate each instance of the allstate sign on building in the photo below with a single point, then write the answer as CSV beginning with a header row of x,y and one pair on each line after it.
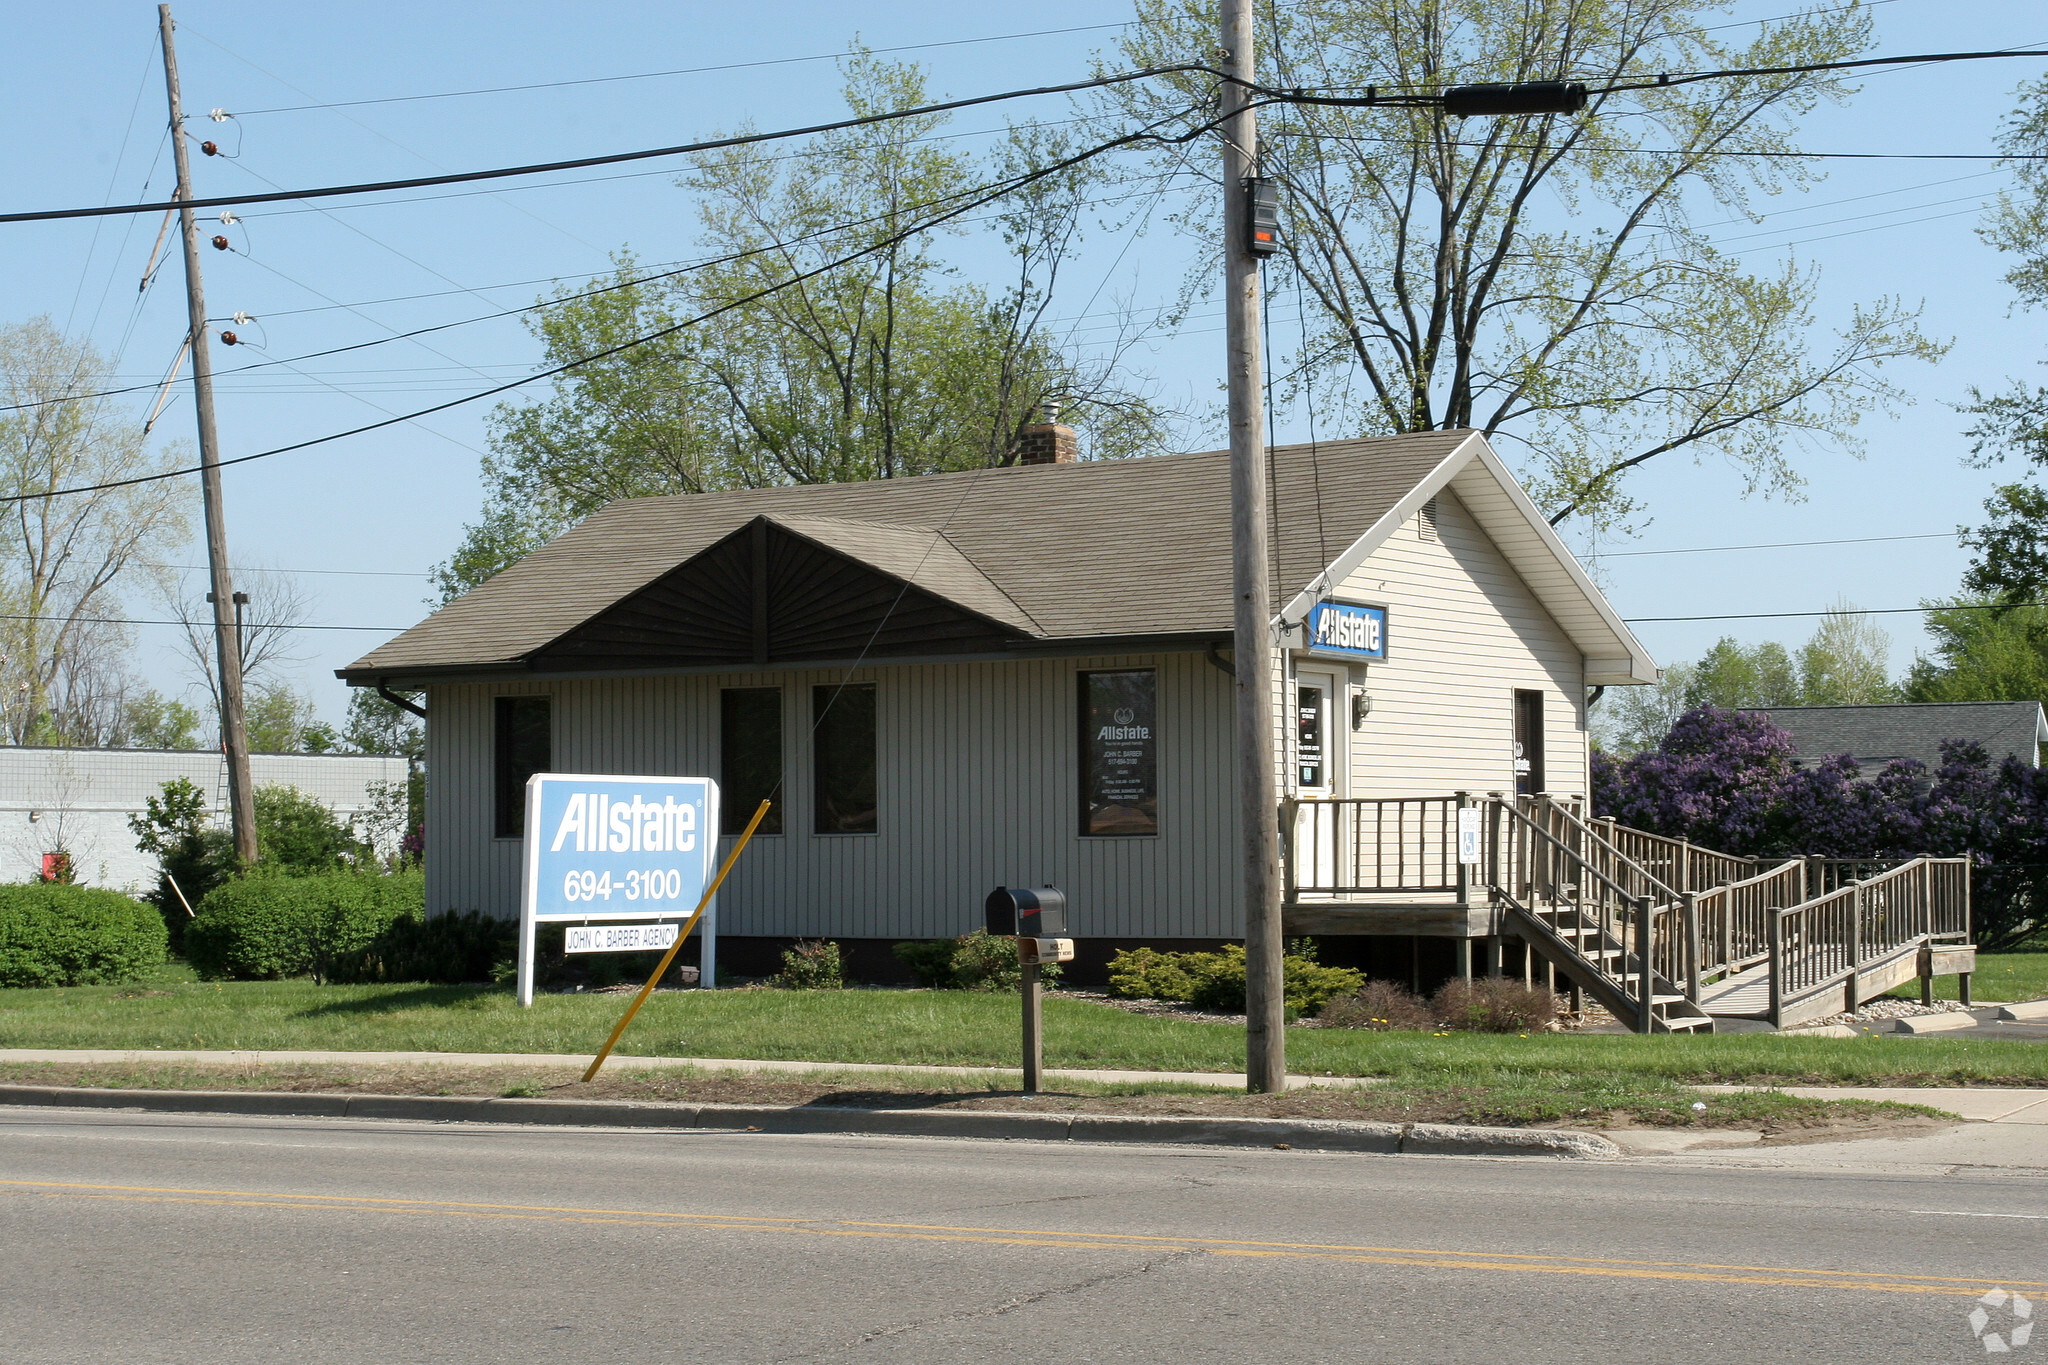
x,y
1347,630
616,848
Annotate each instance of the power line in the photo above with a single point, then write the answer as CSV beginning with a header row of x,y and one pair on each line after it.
x,y
1775,545
258,569
1149,133
683,71
190,625
682,268
1831,611
611,159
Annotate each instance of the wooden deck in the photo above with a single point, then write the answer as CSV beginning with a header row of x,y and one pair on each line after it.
x,y
1407,916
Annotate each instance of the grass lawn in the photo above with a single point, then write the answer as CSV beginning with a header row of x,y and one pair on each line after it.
x,y
1526,1099
947,1027
1999,978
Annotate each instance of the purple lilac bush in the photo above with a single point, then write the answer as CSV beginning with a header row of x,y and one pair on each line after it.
x,y
1727,780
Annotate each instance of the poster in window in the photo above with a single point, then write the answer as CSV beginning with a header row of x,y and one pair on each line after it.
x,y
1120,752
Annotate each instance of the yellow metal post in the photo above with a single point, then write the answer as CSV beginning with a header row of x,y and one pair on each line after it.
x,y
677,946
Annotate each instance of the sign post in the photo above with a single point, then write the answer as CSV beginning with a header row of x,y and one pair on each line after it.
x,y
603,848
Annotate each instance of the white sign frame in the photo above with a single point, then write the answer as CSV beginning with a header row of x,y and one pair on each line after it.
x,y
695,866
1469,850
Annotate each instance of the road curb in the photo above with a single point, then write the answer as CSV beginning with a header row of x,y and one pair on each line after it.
x,y
1324,1135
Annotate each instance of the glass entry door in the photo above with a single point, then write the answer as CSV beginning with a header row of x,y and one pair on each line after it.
x,y
1317,748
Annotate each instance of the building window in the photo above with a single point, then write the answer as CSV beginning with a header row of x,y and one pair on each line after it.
x,y
843,758
1120,752
749,758
1528,742
524,745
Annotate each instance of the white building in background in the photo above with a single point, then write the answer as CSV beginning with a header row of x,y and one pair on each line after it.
x,y
79,801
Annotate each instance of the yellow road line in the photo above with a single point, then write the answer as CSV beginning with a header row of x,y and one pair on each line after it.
x,y
1889,1282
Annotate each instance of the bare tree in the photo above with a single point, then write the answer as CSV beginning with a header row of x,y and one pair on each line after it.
x,y
66,555
278,607
1547,279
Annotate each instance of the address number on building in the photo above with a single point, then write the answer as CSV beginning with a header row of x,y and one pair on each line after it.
x,y
619,938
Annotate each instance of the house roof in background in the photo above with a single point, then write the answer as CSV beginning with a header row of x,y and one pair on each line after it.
x,y
1876,735
1093,550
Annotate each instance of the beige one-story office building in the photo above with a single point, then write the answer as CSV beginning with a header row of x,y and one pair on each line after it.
x,y
1016,676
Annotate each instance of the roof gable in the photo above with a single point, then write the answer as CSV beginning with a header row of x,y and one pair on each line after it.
x,y
781,589
1512,521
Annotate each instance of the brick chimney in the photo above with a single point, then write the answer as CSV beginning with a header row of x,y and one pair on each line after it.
x,y
1048,442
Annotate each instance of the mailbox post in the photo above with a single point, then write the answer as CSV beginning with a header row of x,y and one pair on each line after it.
x,y
1037,921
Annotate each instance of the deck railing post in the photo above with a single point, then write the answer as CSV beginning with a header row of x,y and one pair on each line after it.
x,y
1682,873
1774,937
1689,905
1464,869
1727,928
1646,971
1816,877
1855,941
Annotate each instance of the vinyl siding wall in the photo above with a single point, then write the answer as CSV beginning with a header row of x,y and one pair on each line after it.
x,y
978,781
1463,634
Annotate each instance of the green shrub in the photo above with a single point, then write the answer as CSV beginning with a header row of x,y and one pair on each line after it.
x,y
295,832
973,962
1381,1006
450,949
53,934
1148,974
812,965
1493,1005
1215,981
267,926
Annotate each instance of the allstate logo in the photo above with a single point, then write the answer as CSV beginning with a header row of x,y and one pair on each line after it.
x,y
2018,1327
1125,715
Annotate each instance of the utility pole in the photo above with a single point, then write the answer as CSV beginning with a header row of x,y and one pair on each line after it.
x,y
228,645
1257,787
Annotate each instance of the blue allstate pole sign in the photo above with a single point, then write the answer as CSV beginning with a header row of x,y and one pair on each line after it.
x,y
606,847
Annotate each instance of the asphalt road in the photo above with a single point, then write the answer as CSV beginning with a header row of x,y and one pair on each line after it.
x,y
166,1238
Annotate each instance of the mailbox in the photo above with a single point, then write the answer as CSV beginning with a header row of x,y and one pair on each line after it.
x,y
1014,912
1036,952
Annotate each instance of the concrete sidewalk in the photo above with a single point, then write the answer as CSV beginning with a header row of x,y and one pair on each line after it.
x,y
1227,1080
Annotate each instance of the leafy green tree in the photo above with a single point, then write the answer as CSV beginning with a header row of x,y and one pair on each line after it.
x,y
1983,655
154,721
296,833
279,720
193,854
1548,279
839,344
1731,676
1846,662
378,726
2011,563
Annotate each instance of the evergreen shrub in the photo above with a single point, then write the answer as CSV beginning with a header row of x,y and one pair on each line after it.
x,y
268,926
450,949
53,934
1215,981
978,961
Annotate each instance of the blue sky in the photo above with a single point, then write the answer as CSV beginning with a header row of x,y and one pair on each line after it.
x,y
360,521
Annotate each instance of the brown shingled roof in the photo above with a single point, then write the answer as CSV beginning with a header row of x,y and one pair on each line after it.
x,y
1098,549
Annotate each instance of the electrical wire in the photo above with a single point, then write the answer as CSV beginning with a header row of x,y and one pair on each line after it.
x,y
1776,545
1831,611
205,625
685,71
1149,133
610,159
649,278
